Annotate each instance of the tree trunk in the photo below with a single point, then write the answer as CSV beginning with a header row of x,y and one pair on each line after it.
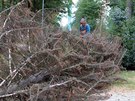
x,y
30,3
129,9
11,2
34,5
2,4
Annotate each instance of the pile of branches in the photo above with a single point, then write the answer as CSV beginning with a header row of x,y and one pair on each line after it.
x,y
41,65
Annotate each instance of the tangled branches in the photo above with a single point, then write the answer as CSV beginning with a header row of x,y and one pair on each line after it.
x,y
39,65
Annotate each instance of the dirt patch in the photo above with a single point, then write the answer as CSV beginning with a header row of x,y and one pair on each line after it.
x,y
121,94
121,89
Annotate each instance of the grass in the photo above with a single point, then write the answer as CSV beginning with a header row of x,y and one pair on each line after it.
x,y
129,76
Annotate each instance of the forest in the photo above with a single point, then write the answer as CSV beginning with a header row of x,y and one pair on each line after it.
x,y
41,60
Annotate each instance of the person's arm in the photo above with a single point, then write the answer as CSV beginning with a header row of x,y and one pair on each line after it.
x,y
87,28
82,32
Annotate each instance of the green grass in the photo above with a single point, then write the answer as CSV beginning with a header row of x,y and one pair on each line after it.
x,y
129,76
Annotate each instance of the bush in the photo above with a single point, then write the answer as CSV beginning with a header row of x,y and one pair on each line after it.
x,y
128,36
119,25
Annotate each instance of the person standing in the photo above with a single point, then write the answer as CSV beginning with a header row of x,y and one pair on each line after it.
x,y
84,29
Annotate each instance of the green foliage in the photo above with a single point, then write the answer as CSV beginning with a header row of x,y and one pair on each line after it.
x,y
58,4
69,7
125,28
116,19
54,7
118,3
36,4
89,9
129,42
0,5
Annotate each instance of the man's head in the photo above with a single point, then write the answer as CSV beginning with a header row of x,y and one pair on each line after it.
x,y
83,21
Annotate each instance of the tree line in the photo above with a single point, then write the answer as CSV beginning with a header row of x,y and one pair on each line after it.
x,y
122,23
119,22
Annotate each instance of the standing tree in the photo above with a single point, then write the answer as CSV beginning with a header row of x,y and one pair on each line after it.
x,y
69,14
2,4
90,10
129,9
122,24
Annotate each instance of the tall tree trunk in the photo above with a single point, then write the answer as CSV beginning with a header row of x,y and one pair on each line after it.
x,y
129,9
30,3
43,12
34,5
69,14
2,4
11,2
103,15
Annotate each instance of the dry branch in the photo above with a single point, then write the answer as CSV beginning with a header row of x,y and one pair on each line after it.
x,y
12,94
62,66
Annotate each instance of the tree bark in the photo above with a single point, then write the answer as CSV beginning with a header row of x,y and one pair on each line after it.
x,y
11,2
129,9
34,5
2,4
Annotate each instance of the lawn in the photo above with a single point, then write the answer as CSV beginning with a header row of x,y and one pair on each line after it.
x,y
129,76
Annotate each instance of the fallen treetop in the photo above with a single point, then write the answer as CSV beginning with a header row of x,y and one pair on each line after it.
x,y
37,63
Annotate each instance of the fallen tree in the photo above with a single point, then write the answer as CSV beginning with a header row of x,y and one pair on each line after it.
x,y
38,64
